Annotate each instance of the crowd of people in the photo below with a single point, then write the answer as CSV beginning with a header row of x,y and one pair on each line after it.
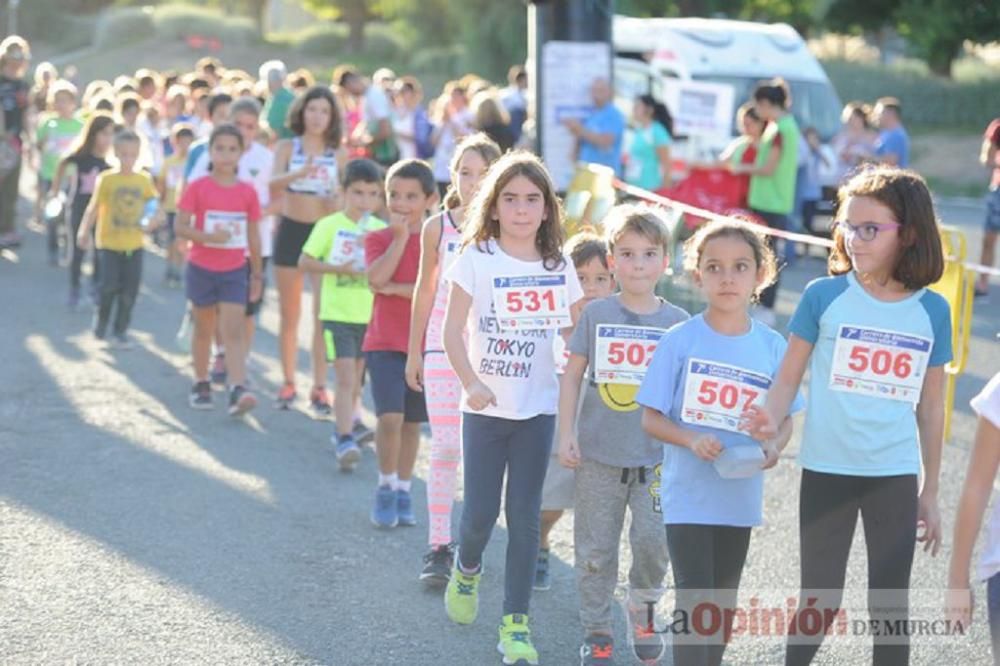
x,y
551,372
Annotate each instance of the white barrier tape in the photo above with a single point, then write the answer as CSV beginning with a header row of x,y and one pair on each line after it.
x,y
806,239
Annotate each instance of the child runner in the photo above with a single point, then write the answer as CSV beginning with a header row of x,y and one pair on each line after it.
x,y
703,373
393,257
335,249
511,291
427,368
86,160
219,215
983,466
168,182
55,135
875,341
589,254
117,208
306,173
617,464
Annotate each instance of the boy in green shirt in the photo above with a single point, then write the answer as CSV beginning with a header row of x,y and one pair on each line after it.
x,y
335,249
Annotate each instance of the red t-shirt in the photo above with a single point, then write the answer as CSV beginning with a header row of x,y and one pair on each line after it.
x,y
992,134
389,329
232,207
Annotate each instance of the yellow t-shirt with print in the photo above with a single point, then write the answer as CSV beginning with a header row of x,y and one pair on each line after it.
x,y
121,199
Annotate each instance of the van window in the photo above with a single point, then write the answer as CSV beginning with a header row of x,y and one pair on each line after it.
x,y
813,103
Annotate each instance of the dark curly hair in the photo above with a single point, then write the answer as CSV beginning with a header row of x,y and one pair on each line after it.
x,y
296,120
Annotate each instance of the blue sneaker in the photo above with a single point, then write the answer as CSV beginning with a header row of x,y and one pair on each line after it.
x,y
384,515
404,508
347,451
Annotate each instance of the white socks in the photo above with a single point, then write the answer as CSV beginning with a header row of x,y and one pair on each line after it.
x,y
394,482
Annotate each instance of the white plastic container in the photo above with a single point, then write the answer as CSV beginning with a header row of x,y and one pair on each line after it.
x,y
739,462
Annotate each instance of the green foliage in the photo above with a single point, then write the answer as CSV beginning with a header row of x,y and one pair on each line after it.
x,y
938,28
123,25
382,41
927,100
178,21
447,61
323,39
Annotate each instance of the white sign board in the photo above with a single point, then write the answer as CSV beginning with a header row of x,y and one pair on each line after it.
x,y
700,108
568,70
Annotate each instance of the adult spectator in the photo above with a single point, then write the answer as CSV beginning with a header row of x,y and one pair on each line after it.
x,y
854,144
374,132
492,119
647,156
410,122
599,137
893,143
515,99
772,176
273,74
14,101
989,155
452,121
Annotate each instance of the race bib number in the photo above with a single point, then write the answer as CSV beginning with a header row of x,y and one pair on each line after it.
x,y
624,352
347,249
234,223
450,255
319,181
716,394
531,302
879,363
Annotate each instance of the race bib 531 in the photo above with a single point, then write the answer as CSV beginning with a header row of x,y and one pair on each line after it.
x,y
531,302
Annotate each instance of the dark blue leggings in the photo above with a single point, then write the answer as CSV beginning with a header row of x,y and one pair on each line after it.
x,y
492,448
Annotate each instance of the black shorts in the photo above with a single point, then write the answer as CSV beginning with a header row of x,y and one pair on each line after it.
x,y
288,242
390,392
343,340
253,307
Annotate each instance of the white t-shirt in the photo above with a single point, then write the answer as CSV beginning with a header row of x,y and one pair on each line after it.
x,y
404,129
376,106
987,406
255,169
447,142
517,365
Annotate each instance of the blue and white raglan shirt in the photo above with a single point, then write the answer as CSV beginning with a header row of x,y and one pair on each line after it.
x,y
703,380
867,368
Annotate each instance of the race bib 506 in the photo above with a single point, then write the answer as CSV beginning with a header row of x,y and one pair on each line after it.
x,y
879,363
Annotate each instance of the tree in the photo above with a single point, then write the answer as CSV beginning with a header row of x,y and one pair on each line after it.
x,y
355,13
938,28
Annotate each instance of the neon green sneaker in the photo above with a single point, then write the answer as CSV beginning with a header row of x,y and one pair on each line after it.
x,y
515,641
461,597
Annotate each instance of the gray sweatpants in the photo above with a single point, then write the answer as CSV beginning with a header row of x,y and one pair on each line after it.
x,y
602,494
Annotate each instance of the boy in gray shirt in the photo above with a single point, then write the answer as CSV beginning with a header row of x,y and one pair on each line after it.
x,y
617,464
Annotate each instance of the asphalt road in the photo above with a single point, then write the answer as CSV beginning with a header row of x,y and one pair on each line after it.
x,y
135,530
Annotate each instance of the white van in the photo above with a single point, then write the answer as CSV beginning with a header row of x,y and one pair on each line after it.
x,y
651,52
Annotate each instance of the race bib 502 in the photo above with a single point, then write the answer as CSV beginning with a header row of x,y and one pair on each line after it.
x,y
622,353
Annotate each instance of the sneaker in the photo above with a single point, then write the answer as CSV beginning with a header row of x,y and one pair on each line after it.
x,y
218,372
461,597
241,401
362,433
597,649
515,641
321,402
201,396
646,643
286,396
404,508
384,514
184,333
348,453
121,342
438,563
542,579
